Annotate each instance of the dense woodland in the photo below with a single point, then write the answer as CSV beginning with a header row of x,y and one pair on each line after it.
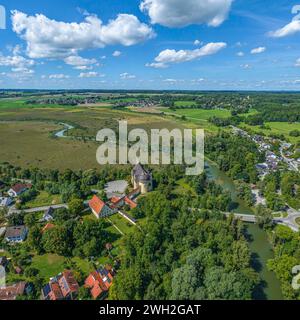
x,y
186,253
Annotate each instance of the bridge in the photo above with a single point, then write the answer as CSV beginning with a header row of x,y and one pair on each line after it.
x,y
289,221
243,217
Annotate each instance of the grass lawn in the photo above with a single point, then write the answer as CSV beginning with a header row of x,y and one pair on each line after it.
x,y
277,128
121,223
49,265
44,199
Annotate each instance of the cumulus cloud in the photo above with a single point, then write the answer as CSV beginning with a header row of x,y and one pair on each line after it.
x,y
15,61
79,61
289,29
91,74
127,76
59,76
297,64
48,38
116,53
156,65
178,13
240,54
168,56
258,50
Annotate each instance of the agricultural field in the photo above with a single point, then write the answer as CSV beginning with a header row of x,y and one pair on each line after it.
x,y
277,128
27,134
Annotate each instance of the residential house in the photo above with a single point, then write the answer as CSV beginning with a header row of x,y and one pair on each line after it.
x,y
99,208
99,282
48,215
18,189
2,231
62,287
5,201
16,234
13,291
3,261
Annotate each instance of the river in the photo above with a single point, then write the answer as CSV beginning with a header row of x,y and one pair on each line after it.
x,y
260,247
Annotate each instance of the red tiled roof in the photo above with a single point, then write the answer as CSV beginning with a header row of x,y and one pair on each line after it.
x,y
95,283
72,284
19,187
48,226
115,199
11,292
96,204
130,202
55,293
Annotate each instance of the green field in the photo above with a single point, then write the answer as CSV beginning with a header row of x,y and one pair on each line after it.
x,y
50,265
44,199
185,103
26,135
277,128
201,114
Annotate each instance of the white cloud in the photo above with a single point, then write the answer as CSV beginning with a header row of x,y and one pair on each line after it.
x,y
258,50
245,66
240,54
127,76
168,56
116,53
289,29
48,38
15,61
198,43
91,74
156,65
297,64
59,76
179,13
79,61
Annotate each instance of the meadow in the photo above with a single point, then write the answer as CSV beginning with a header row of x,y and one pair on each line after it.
x,y
277,128
27,134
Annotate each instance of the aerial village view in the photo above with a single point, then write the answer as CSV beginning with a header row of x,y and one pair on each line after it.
x,y
75,228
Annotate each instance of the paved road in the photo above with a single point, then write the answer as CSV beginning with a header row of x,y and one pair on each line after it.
x,y
13,210
290,220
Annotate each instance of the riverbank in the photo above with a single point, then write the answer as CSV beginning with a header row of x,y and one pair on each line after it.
x,y
261,249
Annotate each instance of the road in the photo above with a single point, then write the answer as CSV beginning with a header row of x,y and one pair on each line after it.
x,y
13,210
290,220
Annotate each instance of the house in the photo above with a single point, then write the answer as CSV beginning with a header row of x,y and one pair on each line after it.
x,y
47,227
13,291
2,231
99,208
18,189
48,215
5,201
99,282
3,261
62,287
141,179
16,234
130,202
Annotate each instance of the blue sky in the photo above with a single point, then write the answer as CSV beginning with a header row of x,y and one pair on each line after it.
x,y
151,44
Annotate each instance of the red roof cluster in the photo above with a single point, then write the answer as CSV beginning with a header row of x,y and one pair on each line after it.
x,y
62,287
99,282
